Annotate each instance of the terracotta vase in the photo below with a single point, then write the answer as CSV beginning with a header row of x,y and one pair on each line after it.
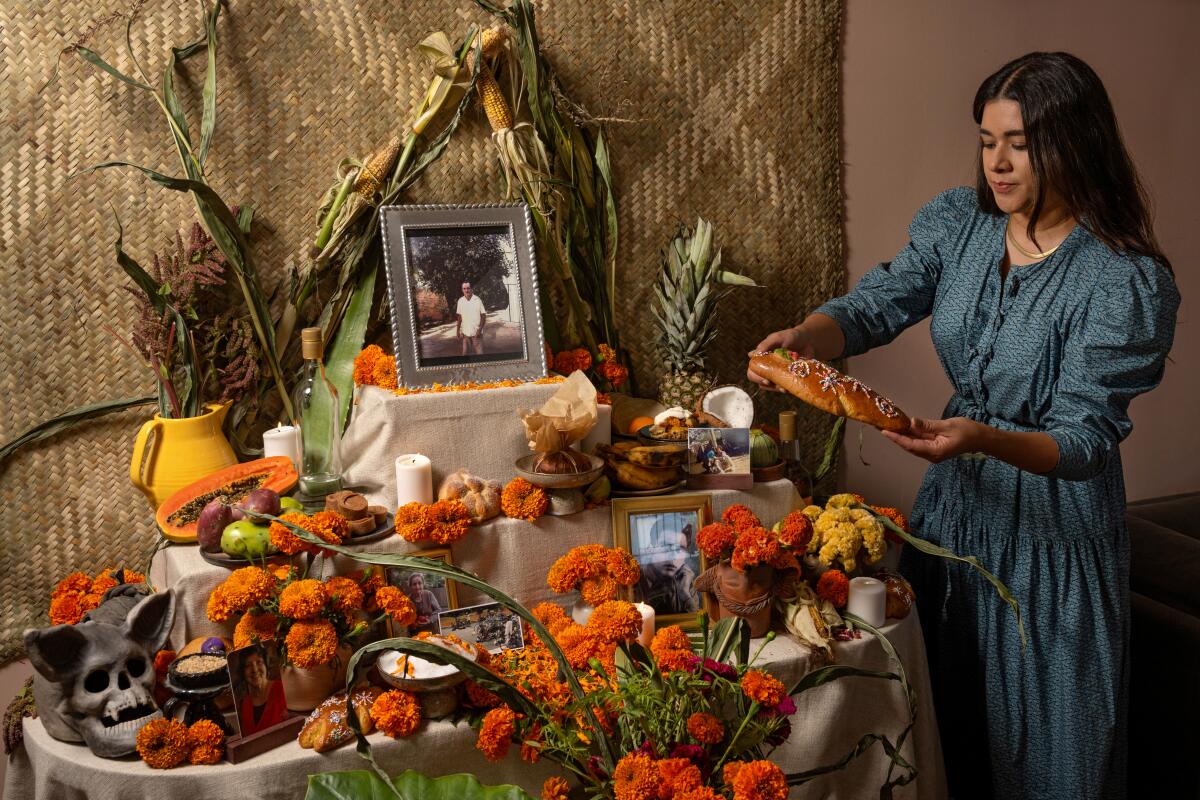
x,y
742,594
306,689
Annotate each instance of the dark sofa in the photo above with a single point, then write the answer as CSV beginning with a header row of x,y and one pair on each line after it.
x,y
1164,713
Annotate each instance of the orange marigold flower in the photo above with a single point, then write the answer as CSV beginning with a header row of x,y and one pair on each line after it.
x,y
614,373
522,500
253,628
764,689
716,540
369,578
311,643
282,537
66,609
598,590
282,572
89,602
581,644
103,582
729,774
495,735
396,713
75,583
163,743
531,746
344,593
834,586
326,525
615,621
635,778
897,517
552,616
740,517
705,728
133,576
759,780
247,587
568,361
219,608
755,546
206,740
480,697
162,660
412,522
699,793
303,599
677,775
672,649
373,367
555,789
450,519
607,353
795,530
396,604
622,566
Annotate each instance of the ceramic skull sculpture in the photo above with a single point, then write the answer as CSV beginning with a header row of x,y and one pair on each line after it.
x,y
94,681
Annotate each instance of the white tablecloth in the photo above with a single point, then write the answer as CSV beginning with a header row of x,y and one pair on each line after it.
x,y
829,720
512,555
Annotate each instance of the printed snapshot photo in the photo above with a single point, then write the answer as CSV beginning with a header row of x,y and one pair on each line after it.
x,y
661,533
467,294
719,451
431,594
490,624
257,687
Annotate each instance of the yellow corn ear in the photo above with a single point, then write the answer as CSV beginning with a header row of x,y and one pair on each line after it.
x,y
370,179
494,104
492,41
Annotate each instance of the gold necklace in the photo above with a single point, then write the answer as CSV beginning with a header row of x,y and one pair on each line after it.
x,y
1022,250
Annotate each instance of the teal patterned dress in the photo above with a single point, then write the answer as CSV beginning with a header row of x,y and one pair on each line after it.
x,y
1061,346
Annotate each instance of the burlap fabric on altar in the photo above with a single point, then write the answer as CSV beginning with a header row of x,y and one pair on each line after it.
x,y
732,110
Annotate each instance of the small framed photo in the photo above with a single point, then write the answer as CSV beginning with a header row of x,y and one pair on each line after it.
x,y
431,594
661,533
489,624
258,696
719,458
462,281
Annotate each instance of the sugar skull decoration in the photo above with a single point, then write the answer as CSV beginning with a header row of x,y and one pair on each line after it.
x,y
94,681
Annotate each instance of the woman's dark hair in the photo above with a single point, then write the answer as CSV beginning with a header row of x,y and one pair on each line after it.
x,y
1074,146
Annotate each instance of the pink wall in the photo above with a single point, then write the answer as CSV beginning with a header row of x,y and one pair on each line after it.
x,y
911,71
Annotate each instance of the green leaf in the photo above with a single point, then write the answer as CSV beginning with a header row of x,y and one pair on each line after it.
x,y
347,344
174,109
69,419
150,287
604,168
208,119
362,785
96,60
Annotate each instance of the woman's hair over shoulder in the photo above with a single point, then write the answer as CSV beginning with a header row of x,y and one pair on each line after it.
x,y
1075,145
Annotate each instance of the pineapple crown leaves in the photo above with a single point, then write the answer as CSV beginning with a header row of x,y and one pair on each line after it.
x,y
690,284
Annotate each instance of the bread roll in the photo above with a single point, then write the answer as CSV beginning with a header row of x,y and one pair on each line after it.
x,y
820,385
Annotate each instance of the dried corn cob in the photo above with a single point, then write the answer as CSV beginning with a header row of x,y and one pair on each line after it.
x,y
371,177
491,41
498,112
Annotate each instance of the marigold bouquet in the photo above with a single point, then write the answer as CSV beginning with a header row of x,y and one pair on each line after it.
x,y
740,538
77,594
596,571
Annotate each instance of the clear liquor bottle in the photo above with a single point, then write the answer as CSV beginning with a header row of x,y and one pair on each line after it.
x,y
316,403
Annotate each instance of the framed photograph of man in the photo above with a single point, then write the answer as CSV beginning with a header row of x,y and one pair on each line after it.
x,y
489,624
431,594
661,533
462,281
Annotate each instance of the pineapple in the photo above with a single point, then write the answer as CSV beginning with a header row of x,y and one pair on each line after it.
x,y
689,286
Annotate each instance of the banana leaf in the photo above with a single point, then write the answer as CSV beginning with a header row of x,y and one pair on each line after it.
x,y
409,785
932,549
66,421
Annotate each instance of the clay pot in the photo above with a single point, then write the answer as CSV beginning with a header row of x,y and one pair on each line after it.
x,y
306,689
742,594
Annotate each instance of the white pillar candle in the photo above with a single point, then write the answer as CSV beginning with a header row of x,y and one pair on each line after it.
x,y
647,624
284,440
868,600
601,433
414,479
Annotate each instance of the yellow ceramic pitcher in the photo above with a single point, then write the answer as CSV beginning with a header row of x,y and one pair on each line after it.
x,y
183,451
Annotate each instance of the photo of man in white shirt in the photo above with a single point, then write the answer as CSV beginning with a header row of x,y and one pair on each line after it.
x,y
471,318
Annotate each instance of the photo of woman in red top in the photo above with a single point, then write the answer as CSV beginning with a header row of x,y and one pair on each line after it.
x,y
259,692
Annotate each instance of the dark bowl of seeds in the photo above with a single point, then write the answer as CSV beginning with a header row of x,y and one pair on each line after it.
x,y
199,671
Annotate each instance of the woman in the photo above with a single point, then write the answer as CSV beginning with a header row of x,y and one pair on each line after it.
x,y
263,704
1052,308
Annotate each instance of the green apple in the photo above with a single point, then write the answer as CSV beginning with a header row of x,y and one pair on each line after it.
x,y
287,504
244,539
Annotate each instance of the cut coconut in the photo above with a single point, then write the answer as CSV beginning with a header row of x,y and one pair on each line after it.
x,y
730,404
678,412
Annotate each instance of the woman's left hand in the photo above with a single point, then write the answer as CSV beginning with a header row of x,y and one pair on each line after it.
x,y
938,439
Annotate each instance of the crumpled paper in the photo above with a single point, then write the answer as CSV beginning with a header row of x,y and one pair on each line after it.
x,y
565,418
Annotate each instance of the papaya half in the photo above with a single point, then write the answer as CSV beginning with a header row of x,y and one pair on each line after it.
x,y
179,513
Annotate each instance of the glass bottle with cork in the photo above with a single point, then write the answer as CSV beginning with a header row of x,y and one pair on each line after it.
x,y
316,402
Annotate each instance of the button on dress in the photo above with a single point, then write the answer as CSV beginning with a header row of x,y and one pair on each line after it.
x,y
1062,347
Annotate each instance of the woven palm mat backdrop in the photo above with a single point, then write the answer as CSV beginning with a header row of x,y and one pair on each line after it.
x,y
724,109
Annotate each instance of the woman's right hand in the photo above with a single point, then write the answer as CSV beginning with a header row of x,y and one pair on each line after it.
x,y
794,339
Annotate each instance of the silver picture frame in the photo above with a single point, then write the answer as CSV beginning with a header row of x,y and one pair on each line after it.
x,y
488,245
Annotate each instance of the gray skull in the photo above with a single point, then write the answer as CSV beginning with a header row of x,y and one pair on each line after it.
x,y
94,681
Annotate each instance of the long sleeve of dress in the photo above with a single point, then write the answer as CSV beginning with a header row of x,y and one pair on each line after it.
x,y
899,293
1114,351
